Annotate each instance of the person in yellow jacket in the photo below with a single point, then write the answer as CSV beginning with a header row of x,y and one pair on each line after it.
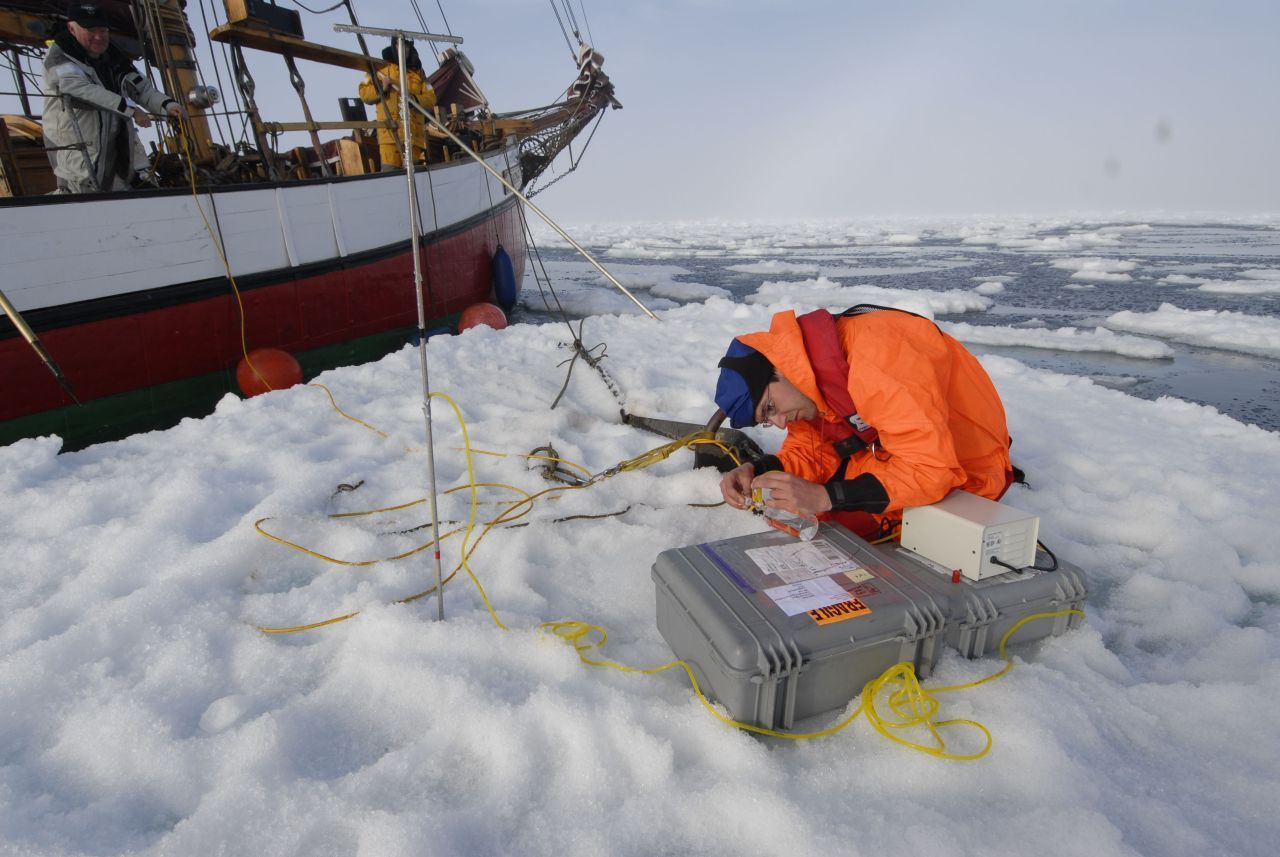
x,y
939,419
425,94
389,109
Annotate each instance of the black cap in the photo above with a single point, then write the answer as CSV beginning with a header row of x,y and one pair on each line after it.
x,y
89,15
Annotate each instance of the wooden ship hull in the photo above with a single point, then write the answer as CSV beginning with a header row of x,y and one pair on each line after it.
x,y
130,297
129,293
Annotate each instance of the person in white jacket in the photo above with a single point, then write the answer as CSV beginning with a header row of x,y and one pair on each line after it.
x,y
92,92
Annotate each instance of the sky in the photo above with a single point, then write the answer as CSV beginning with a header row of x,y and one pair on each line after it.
x,y
771,109
765,109
145,713
832,109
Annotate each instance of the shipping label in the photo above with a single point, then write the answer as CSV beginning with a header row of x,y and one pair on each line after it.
x,y
798,561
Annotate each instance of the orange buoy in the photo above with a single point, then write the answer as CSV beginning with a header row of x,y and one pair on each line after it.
x,y
276,368
485,314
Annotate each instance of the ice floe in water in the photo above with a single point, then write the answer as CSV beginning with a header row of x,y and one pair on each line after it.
x,y
1060,339
1232,331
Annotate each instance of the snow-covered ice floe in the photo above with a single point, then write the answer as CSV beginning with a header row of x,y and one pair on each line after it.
x,y
1233,331
1061,339
145,713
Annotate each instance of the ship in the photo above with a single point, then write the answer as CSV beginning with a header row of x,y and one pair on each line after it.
x,y
146,301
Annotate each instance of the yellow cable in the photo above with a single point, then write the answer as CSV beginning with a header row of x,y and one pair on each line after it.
x,y
335,619
914,705
525,505
217,246
1008,661
421,500
343,413
471,519
574,632
336,561
530,455
363,563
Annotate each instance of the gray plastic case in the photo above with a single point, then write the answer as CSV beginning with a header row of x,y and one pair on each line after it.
x,y
979,612
771,669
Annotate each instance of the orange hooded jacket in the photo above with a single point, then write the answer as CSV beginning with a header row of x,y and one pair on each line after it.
x,y
940,420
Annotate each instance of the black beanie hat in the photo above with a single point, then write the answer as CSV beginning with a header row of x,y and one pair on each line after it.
x,y
89,16
744,375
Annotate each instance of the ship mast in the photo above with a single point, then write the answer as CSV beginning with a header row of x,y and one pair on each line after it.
x,y
169,36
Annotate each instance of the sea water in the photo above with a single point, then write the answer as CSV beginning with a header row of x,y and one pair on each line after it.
x,y
1039,275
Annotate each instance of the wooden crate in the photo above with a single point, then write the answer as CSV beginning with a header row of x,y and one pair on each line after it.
x,y
24,166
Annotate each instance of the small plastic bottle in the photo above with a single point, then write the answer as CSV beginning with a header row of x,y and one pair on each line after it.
x,y
803,527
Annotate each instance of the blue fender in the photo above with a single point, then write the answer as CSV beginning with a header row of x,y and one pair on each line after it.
x,y
504,280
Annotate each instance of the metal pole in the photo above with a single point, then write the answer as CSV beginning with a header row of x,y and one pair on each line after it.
x,y
565,235
395,34
21,81
407,138
29,335
407,143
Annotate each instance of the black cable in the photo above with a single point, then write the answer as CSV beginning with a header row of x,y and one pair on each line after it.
x,y
573,163
564,32
422,22
417,13
435,223
243,139
19,70
337,5
528,232
582,4
230,137
488,186
1042,547
443,18
573,20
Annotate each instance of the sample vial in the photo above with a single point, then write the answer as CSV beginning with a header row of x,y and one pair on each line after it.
x,y
803,527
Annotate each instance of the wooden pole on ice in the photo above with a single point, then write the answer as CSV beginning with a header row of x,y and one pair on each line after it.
x,y
30,336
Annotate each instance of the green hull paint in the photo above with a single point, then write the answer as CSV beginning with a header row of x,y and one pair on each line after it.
x,y
163,406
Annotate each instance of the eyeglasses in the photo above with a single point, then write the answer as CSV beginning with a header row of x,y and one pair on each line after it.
x,y
769,410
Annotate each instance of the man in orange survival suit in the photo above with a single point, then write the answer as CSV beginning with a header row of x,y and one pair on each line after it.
x,y
939,419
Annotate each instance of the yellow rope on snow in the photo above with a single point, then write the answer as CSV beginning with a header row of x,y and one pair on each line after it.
x,y
913,705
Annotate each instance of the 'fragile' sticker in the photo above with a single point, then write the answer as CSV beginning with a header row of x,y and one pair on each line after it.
x,y
839,612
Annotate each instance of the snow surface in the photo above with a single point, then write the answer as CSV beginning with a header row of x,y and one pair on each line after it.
x,y
1233,331
143,713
